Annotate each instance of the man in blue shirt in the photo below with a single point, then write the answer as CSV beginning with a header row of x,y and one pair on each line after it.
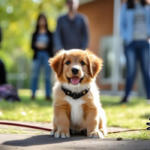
x,y
72,29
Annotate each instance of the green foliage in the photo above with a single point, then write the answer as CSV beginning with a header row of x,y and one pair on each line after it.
x,y
18,19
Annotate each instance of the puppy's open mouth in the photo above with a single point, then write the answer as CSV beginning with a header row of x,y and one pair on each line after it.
x,y
75,80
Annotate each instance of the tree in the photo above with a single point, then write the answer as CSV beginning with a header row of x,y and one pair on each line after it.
x,y
17,19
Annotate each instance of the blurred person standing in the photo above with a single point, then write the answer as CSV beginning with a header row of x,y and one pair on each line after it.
x,y
0,36
2,67
135,31
72,29
42,45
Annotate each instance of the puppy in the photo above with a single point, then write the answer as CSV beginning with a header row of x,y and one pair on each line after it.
x,y
76,96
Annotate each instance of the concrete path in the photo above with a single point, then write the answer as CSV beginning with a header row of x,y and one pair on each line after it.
x,y
39,140
45,142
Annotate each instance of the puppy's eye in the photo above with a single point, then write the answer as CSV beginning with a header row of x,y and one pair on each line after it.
x,y
68,63
82,63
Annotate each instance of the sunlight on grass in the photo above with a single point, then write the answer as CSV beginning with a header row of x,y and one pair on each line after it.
x,y
144,135
13,131
28,93
134,115
27,110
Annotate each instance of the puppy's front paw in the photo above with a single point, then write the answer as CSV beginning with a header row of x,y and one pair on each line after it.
x,y
96,134
52,132
61,134
104,131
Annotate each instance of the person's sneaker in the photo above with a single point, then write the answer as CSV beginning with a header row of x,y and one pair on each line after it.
x,y
33,98
48,98
124,100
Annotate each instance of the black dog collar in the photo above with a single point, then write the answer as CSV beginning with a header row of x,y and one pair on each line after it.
x,y
73,94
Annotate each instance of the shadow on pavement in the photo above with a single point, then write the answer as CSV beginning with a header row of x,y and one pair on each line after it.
x,y
42,140
46,142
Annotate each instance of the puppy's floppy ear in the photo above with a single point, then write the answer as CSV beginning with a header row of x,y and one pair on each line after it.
x,y
57,62
95,63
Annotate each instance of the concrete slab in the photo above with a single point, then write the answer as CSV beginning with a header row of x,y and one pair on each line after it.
x,y
35,140
45,142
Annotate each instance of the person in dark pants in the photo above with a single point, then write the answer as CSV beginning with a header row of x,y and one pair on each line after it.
x,y
2,67
135,31
0,36
72,29
2,73
42,45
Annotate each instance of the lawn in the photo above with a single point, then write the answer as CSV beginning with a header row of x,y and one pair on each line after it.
x,y
133,115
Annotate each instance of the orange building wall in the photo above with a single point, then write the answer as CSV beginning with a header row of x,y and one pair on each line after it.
x,y
100,16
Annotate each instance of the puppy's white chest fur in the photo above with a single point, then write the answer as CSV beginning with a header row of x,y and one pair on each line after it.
x,y
76,109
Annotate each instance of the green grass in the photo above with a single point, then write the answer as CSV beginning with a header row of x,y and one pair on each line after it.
x,y
12,130
133,115
142,135
27,110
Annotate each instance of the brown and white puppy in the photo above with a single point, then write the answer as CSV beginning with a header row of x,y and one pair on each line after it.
x,y
76,72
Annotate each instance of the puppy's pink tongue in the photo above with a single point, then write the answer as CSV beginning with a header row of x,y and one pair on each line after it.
x,y
75,80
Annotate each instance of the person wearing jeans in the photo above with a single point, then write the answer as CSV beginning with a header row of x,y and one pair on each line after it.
x,y
135,31
42,45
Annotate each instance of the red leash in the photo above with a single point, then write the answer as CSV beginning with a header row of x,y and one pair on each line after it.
x,y
47,129
24,125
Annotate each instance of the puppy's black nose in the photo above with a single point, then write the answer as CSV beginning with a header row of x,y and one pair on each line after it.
x,y
75,70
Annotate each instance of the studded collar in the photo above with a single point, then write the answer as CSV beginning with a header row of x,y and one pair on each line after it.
x,y
75,95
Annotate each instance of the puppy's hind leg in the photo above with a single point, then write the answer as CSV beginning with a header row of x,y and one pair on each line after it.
x,y
103,122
